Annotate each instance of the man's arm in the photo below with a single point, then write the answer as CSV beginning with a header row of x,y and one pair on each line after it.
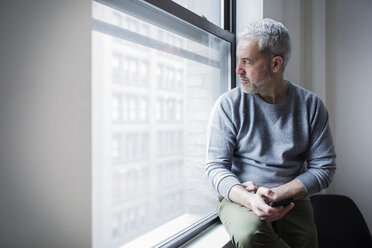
x,y
320,156
294,189
221,143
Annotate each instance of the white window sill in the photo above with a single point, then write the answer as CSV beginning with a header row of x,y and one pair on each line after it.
x,y
214,236
163,232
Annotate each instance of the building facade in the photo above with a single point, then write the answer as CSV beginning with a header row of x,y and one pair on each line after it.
x,y
150,116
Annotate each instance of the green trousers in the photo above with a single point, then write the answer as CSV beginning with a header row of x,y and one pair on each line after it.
x,y
296,229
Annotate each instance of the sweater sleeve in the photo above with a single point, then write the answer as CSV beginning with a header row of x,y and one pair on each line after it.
x,y
220,148
320,156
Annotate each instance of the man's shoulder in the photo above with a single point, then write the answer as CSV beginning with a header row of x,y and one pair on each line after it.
x,y
229,101
305,95
232,96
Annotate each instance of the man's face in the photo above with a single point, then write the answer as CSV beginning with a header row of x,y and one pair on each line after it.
x,y
253,68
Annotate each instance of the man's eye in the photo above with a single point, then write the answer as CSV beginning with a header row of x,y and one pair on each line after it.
x,y
246,61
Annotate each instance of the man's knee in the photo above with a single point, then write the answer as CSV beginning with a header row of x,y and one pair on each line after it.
x,y
250,235
243,239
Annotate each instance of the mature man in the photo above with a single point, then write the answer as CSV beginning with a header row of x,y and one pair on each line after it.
x,y
259,136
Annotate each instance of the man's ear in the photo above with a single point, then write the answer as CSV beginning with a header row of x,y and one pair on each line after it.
x,y
277,63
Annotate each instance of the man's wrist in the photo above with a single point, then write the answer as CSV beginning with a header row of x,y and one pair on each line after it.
x,y
247,200
294,189
240,195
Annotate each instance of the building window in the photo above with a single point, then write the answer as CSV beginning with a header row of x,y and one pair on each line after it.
x,y
209,9
154,84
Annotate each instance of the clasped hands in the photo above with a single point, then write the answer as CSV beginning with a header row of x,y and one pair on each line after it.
x,y
260,203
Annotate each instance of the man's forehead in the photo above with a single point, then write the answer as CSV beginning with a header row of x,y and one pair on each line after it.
x,y
247,41
247,47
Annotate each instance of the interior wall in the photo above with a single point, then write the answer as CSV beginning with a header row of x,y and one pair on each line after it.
x,y
45,126
289,13
314,18
247,12
349,87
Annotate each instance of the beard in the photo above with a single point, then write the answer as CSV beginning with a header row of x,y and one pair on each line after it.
x,y
251,87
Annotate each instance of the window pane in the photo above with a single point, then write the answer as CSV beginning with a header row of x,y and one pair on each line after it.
x,y
152,94
210,9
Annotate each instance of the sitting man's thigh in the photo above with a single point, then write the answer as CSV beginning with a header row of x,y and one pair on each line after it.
x,y
245,228
297,227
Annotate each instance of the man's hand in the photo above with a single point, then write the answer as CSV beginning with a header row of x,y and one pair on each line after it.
x,y
260,205
257,199
250,186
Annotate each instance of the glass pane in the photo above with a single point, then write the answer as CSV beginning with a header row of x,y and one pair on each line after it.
x,y
210,9
152,94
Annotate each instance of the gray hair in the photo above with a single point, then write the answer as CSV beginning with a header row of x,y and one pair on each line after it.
x,y
272,36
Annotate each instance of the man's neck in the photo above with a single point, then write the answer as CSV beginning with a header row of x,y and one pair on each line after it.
x,y
277,94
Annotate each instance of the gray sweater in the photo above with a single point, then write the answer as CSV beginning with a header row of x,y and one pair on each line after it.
x,y
251,140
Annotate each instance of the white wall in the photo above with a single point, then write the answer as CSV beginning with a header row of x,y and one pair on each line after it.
x,y
247,12
349,98
314,18
45,126
289,13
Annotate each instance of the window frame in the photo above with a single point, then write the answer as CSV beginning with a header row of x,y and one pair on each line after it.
x,y
227,33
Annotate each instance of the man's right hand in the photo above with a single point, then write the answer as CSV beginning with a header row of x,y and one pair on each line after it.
x,y
259,204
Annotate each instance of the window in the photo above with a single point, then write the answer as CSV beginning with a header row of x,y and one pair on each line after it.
x,y
155,78
209,9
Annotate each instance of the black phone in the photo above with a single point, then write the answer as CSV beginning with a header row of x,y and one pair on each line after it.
x,y
283,203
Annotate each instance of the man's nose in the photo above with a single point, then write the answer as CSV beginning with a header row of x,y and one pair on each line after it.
x,y
239,69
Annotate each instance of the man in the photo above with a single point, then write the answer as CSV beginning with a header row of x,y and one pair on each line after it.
x,y
259,136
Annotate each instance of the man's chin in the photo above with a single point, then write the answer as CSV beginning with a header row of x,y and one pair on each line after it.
x,y
248,88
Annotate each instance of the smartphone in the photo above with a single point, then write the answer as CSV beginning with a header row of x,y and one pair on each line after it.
x,y
283,203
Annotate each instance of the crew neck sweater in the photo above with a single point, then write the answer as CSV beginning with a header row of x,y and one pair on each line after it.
x,y
251,140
